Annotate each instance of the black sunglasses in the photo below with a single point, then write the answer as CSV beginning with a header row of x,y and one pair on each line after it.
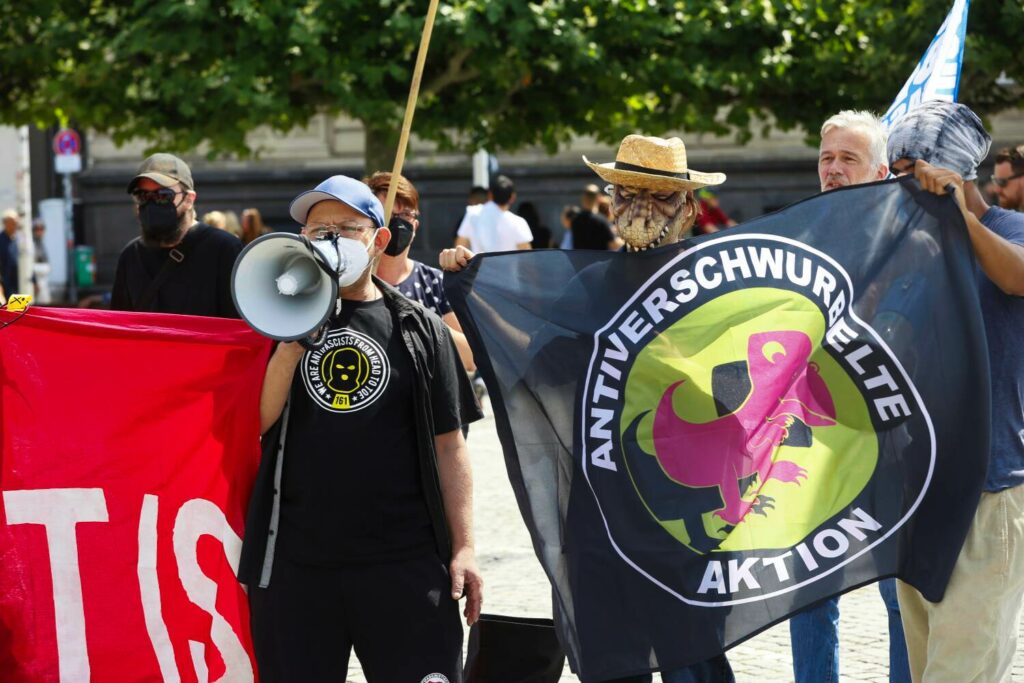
x,y
1003,182
164,195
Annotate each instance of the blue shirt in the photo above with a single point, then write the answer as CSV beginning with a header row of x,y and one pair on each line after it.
x,y
1004,327
425,286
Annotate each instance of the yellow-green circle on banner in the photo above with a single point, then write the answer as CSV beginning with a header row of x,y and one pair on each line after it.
x,y
838,463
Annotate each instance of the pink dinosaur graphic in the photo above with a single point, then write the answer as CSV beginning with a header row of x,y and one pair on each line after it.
x,y
721,453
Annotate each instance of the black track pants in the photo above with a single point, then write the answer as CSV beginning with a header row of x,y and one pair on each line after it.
x,y
399,616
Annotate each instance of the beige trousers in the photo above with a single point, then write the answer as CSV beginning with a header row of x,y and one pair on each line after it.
x,y
971,636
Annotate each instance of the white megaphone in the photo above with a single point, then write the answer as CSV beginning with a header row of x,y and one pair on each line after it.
x,y
286,286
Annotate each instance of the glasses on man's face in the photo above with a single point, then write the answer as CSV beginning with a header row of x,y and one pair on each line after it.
x,y
164,195
407,215
1003,182
327,232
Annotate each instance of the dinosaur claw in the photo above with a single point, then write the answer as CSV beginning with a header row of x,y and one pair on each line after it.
x,y
762,504
786,471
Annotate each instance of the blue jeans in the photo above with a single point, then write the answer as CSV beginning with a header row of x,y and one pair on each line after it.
x,y
714,670
815,637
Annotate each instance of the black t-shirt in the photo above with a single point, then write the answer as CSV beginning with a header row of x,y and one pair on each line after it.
x,y
591,231
351,487
199,285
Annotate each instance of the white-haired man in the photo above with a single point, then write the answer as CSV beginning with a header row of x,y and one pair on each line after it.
x,y
852,152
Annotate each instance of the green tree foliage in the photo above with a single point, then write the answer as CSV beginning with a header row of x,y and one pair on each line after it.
x,y
501,74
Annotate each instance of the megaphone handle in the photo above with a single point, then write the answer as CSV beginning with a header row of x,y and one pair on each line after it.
x,y
318,341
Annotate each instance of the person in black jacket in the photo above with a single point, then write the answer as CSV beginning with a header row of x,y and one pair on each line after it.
x,y
176,265
9,254
359,532
590,228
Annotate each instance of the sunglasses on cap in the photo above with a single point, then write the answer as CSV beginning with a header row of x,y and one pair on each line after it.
x,y
164,195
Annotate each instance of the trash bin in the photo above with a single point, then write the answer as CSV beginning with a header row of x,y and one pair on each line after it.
x,y
85,266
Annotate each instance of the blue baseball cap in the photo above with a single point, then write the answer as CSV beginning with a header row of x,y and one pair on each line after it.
x,y
346,190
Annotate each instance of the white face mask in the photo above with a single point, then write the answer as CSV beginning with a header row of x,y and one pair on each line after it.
x,y
348,258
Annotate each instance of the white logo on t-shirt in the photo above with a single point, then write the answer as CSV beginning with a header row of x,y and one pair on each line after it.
x,y
349,372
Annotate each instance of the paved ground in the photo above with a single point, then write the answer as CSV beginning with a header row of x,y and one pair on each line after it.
x,y
516,585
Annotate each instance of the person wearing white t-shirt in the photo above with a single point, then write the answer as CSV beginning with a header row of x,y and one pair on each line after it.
x,y
492,227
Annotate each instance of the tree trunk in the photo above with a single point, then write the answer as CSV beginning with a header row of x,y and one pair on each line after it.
x,y
381,147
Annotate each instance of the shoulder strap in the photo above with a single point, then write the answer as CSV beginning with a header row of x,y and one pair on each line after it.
x,y
175,256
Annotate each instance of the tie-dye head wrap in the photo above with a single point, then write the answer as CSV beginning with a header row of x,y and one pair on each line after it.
x,y
945,134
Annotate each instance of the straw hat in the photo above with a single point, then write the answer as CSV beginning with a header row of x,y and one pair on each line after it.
x,y
653,164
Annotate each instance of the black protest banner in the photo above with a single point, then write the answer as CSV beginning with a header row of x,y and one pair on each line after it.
x,y
710,436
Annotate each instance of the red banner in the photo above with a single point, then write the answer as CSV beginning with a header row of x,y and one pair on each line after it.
x,y
128,448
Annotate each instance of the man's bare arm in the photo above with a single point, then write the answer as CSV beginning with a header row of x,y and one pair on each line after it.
x,y
277,382
1002,261
456,478
461,343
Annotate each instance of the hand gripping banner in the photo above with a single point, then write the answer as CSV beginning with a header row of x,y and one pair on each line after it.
x,y
128,447
705,438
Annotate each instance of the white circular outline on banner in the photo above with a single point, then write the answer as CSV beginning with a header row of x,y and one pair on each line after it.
x,y
849,284
385,380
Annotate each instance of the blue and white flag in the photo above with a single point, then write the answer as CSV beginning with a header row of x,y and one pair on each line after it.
x,y
937,76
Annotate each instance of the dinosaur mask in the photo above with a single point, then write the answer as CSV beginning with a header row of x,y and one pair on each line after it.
x,y
648,218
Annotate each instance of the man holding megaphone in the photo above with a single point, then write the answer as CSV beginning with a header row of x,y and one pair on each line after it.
x,y
359,530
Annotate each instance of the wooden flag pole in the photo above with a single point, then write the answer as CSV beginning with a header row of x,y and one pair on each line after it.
x,y
410,108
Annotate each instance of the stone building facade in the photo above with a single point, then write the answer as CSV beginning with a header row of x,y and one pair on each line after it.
x,y
764,175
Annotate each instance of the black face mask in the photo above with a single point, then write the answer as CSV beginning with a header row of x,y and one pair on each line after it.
x,y
401,236
159,223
